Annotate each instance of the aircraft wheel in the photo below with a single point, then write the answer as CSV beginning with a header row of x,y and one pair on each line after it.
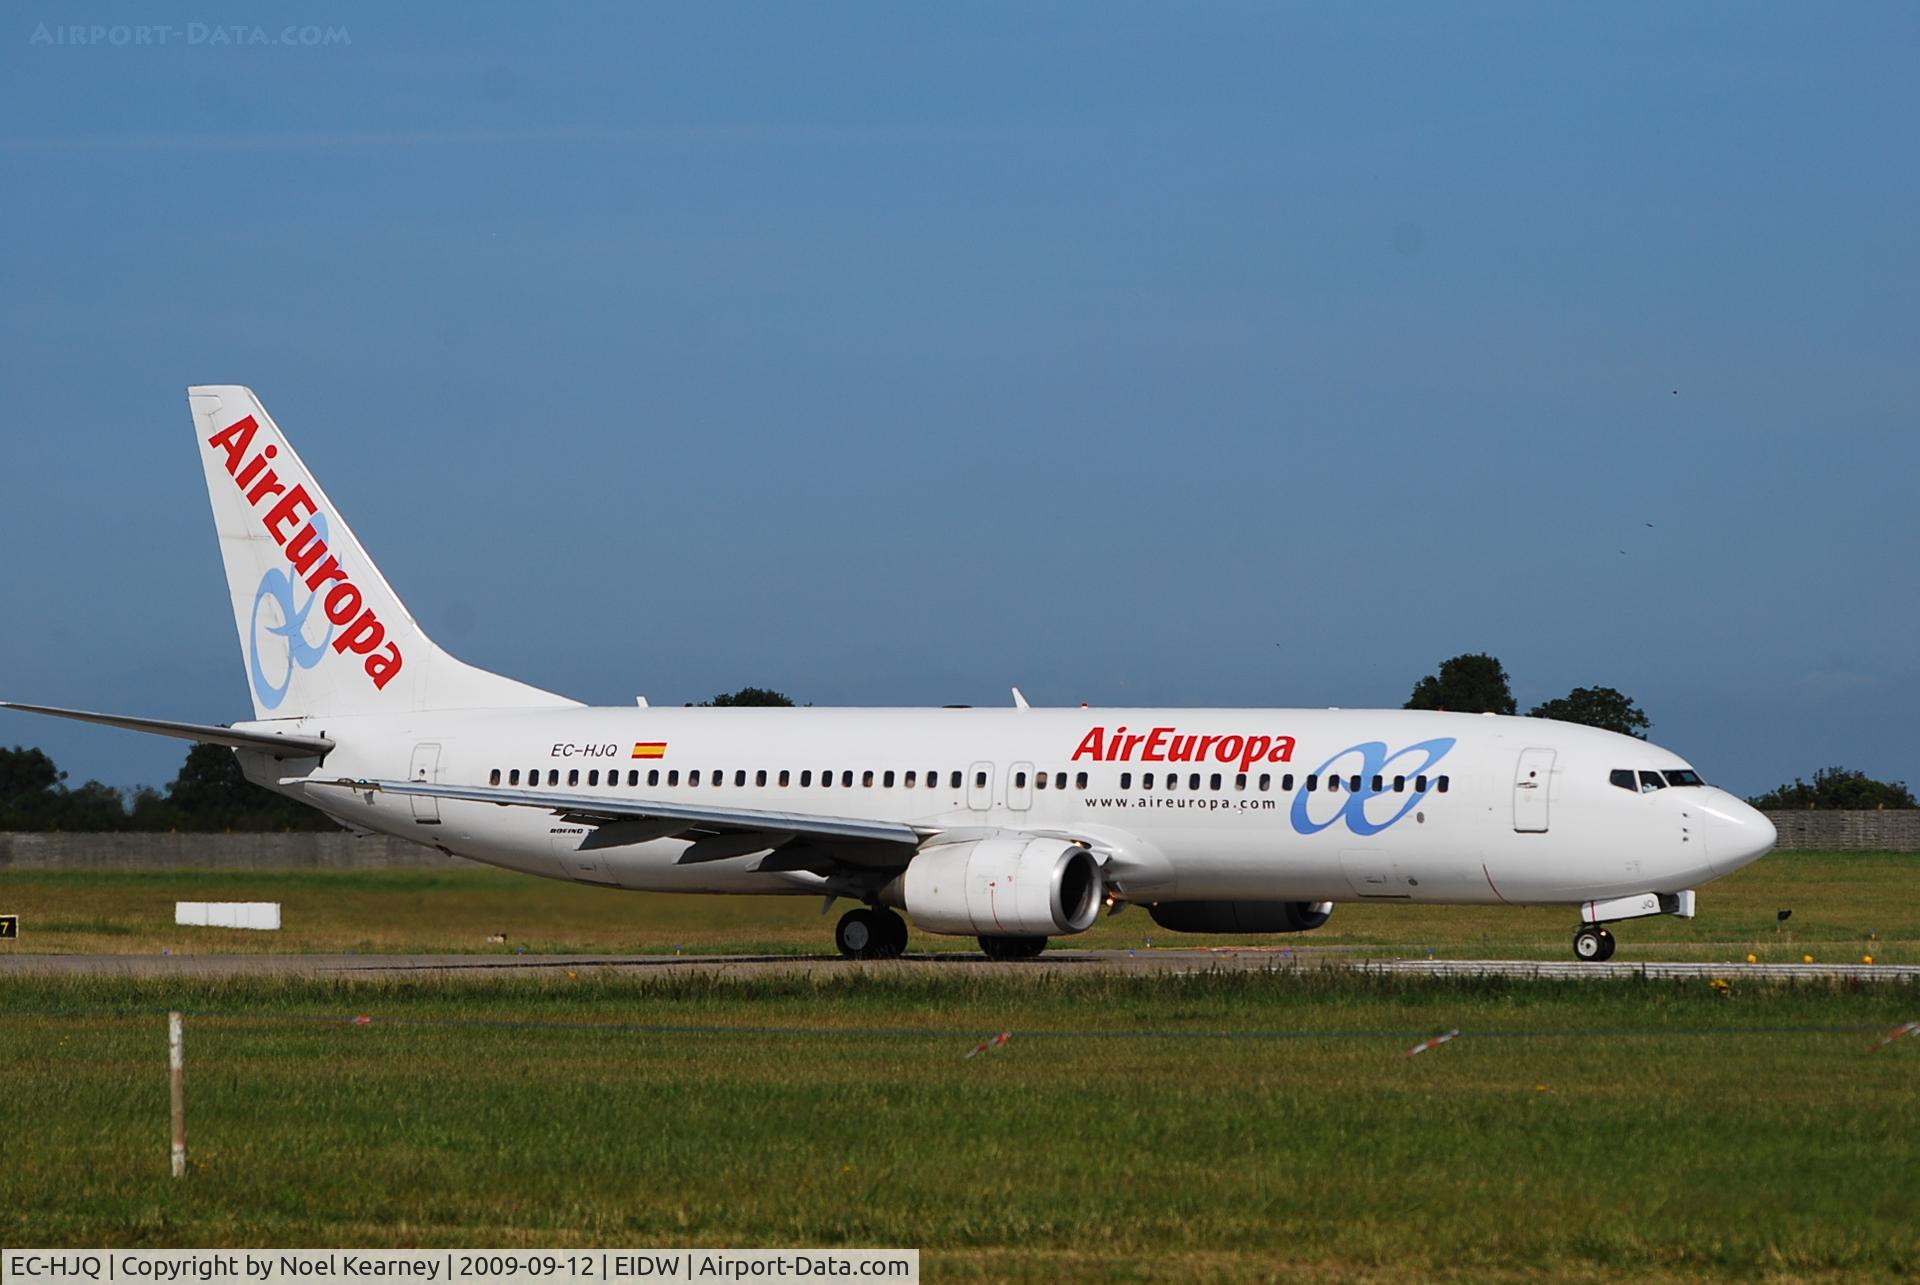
x,y
860,934
1013,947
1592,944
891,934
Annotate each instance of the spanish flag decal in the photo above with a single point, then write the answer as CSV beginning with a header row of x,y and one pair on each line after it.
x,y
649,749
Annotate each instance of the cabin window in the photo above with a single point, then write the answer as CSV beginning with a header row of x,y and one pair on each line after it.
x,y
1333,783
1146,780
784,776
673,776
1213,782
1266,782
693,777
1239,780
513,777
1059,780
846,779
533,777
633,776
910,780
1019,780
1039,780
955,783
653,776
979,780
866,778
494,777
886,780
1399,785
1419,783
1286,783
593,777
1313,783
933,780
806,777
1172,781
1441,784
1080,781
1353,783
573,776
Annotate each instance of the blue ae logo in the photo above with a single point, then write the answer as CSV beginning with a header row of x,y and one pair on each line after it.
x,y
1367,810
278,587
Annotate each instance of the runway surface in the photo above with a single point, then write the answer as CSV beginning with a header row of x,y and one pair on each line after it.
x,y
1175,961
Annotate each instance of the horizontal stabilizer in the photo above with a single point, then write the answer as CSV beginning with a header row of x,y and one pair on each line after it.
x,y
280,744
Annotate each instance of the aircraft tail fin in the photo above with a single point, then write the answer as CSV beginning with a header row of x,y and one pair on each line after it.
x,y
321,630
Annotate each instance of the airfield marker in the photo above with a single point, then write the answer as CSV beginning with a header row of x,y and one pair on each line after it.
x,y
998,1041
176,1083
1433,1043
1904,1029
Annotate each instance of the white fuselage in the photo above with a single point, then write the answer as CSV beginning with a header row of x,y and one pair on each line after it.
x,y
1513,810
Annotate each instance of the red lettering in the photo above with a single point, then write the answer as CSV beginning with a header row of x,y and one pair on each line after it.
x,y
1126,753
1229,749
363,635
1257,747
384,666
234,440
267,485
343,602
254,466
328,570
306,549
1282,750
1200,751
1090,744
1180,750
1156,745
284,512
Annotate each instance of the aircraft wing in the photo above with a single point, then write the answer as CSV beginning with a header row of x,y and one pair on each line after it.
x,y
740,826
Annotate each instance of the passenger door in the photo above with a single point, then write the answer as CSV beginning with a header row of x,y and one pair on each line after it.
x,y
1020,787
425,768
980,787
1532,784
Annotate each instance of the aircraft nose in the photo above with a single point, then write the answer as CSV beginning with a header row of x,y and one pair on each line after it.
x,y
1737,833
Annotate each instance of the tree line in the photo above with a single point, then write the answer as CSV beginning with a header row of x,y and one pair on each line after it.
x,y
210,795
1477,684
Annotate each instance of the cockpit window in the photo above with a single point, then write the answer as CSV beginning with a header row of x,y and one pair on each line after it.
x,y
1624,778
1651,781
1683,776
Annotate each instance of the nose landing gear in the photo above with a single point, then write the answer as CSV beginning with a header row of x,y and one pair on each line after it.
x,y
1592,944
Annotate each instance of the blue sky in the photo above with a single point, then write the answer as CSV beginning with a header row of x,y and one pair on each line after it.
x,y
1224,354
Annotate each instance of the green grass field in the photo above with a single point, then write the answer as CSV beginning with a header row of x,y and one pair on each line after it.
x,y
1845,906
1226,1126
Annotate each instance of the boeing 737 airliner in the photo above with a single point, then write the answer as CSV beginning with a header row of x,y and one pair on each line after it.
x,y
1010,825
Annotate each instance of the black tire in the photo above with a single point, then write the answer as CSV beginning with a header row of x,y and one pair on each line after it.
x,y
1013,947
1592,944
860,934
893,933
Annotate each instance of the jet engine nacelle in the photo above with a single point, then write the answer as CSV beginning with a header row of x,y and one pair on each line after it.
x,y
1241,916
1011,887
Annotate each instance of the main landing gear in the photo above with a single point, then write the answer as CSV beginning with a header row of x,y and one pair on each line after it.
x,y
1592,944
871,933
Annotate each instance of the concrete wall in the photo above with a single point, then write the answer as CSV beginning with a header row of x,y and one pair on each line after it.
x,y
332,851
1891,830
